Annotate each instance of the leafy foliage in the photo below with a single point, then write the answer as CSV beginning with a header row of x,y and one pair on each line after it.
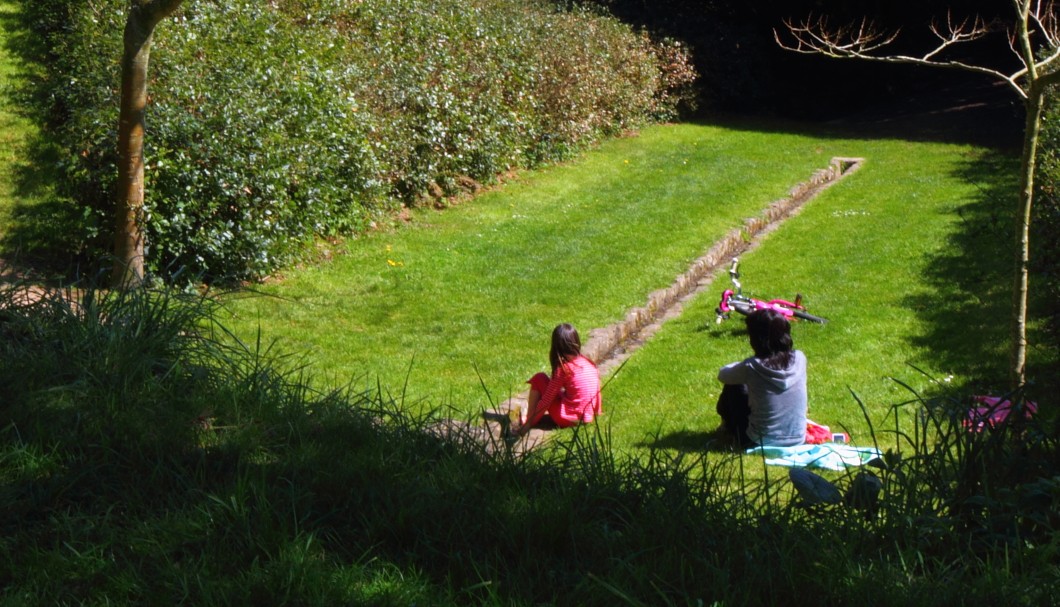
x,y
1045,224
274,123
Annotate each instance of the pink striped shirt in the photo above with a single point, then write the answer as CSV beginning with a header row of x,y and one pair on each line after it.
x,y
572,395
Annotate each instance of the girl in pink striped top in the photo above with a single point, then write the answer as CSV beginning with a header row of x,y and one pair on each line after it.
x,y
571,395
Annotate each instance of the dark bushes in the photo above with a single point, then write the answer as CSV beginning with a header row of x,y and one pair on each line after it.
x,y
272,123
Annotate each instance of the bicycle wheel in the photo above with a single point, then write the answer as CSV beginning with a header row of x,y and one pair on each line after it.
x,y
810,317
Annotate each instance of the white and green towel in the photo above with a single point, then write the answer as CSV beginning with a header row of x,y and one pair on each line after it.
x,y
831,456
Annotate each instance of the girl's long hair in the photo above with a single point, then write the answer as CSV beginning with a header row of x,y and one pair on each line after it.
x,y
566,345
770,335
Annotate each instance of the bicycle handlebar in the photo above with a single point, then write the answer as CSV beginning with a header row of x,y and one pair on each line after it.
x,y
734,273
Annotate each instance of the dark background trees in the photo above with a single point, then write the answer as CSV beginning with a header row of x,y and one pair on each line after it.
x,y
744,70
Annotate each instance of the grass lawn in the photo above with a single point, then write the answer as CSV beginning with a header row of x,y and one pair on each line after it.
x,y
34,224
475,290
14,128
899,256
907,257
865,254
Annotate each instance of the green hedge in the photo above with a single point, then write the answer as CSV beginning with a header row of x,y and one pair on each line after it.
x,y
271,124
1045,225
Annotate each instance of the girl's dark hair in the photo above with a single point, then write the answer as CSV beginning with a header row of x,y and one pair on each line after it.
x,y
770,335
566,345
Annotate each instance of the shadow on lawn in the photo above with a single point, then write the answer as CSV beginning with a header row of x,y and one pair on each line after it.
x,y
968,302
690,441
46,230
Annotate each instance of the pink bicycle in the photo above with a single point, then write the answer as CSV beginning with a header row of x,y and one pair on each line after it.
x,y
735,300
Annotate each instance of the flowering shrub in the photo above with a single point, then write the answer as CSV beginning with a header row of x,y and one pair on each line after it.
x,y
272,123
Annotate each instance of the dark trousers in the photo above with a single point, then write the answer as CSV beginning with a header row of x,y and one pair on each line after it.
x,y
735,411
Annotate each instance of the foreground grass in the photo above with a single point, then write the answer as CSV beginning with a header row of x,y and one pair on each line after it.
x,y
144,460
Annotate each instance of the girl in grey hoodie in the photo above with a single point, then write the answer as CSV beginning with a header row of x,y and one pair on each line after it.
x,y
764,398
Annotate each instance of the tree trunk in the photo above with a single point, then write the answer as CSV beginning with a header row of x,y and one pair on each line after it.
x,y
1036,25
1021,285
129,239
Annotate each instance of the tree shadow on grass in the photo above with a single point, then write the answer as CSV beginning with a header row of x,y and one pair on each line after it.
x,y
690,441
43,238
968,302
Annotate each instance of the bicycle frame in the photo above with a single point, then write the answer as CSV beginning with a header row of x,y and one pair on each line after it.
x,y
736,301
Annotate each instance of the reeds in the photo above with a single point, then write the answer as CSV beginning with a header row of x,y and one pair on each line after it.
x,y
144,459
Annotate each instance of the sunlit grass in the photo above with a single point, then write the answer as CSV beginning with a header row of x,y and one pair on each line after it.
x,y
33,223
14,128
476,289
465,298
862,254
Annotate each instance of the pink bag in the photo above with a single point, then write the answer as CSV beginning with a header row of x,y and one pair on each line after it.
x,y
991,411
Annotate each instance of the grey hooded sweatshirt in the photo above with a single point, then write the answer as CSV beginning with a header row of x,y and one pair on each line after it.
x,y
777,399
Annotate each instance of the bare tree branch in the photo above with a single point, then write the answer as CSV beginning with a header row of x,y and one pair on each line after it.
x,y
1037,26
814,36
966,31
1044,18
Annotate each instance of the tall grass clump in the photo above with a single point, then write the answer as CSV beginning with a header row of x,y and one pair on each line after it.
x,y
995,483
271,124
144,460
960,507
141,459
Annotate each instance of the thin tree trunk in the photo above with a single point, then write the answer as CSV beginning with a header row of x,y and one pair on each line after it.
x,y
129,238
1021,285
